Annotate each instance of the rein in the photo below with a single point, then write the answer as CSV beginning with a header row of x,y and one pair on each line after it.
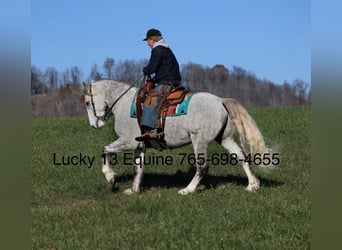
x,y
104,117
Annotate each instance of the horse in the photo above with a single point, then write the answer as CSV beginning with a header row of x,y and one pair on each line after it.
x,y
208,118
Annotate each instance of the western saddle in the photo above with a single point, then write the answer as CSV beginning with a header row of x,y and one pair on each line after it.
x,y
148,97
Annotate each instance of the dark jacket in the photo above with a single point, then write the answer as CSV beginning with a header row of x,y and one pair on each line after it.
x,y
164,64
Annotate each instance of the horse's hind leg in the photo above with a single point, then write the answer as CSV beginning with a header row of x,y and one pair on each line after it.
x,y
236,151
200,150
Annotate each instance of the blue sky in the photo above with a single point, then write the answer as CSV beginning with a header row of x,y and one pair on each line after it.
x,y
268,38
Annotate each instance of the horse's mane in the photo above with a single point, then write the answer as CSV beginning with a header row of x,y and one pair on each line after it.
x,y
113,80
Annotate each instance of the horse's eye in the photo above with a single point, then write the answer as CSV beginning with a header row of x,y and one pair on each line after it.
x,y
87,103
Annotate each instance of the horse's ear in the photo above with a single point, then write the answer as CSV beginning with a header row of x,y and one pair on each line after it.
x,y
86,89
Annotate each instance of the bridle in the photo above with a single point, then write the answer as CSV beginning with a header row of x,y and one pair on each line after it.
x,y
108,110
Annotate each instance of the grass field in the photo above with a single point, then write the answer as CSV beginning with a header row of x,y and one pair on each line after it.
x,y
73,207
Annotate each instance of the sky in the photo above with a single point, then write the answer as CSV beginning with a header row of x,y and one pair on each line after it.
x,y
270,39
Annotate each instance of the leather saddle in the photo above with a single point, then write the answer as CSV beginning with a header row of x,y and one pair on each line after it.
x,y
148,97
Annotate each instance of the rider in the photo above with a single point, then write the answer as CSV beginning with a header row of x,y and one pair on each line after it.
x,y
164,65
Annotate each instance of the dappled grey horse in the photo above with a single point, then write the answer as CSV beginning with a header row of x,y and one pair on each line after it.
x,y
208,118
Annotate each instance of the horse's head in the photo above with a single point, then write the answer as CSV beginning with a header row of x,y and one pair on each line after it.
x,y
95,103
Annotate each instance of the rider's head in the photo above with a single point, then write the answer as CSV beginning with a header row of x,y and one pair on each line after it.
x,y
153,36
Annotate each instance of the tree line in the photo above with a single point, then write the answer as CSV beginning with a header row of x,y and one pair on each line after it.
x,y
235,83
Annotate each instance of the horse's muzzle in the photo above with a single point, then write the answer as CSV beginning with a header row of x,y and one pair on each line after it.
x,y
99,123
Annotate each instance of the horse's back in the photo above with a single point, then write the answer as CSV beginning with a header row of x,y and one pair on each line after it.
x,y
206,105
206,115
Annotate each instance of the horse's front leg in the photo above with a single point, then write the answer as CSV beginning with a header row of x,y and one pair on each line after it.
x,y
107,170
138,168
113,148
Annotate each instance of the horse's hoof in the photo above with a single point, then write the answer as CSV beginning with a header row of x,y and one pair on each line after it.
x,y
128,191
185,191
131,191
112,181
104,151
253,187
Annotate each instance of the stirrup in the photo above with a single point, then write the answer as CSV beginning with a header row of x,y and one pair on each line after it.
x,y
149,135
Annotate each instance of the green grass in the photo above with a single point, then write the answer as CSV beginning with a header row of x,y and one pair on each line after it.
x,y
73,207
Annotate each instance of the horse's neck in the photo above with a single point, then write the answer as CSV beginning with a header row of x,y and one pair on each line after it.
x,y
114,91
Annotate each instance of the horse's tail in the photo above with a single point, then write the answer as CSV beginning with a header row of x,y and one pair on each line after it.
x,y
251,139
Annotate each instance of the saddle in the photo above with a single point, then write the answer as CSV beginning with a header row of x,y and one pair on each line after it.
x,y
148,97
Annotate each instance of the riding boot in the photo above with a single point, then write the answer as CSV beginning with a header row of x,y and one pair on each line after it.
x,y
149,134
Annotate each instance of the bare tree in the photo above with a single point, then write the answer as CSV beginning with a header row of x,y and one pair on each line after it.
x,y
218,76
75,74
108,66
95,73
195,76
238,72
37,81
130,70
288,96
300,89
51,76
66,77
